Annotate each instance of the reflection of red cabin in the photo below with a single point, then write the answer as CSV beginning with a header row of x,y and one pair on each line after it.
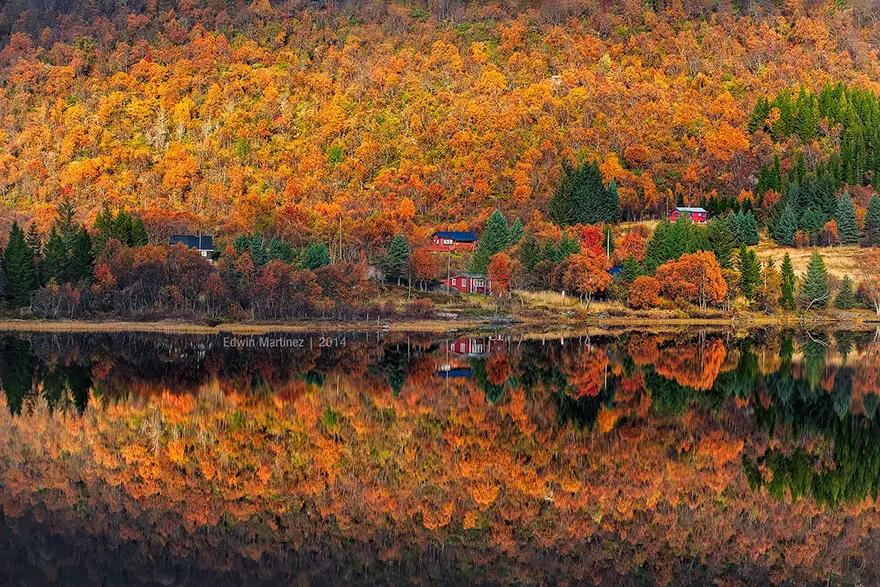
x,y
470,283
477,346
697,215
453,241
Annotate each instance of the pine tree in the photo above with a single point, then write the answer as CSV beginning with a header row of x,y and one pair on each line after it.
x,y
82,263
733,223
259,254
515,233
759,115
121,228
788,284
315,256
721,241
65,222
749,229
631,270
139,236
56,258
872,223
655,254
814,290
493,240
280,250
529,252
560,210
567,246
19,267
786,227
582,198
34,243
102,228
397,257
611,207
750,272
241,244
847,225
678,239
846,297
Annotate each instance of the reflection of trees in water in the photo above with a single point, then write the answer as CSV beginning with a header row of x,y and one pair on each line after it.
x,y
846,467
24,377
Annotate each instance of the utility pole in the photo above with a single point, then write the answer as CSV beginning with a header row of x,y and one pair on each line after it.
x,y
448,269
339,255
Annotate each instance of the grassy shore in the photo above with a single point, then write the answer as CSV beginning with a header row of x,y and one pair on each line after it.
x,y
555,317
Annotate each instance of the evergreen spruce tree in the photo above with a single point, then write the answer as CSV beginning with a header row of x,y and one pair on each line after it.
x,y
721,241
315,256
786,227
55,264
280,250
515,233
872,223
679,239
560,210
397,257
241,244
812,223
789,281
631,270
847,225
582,198
846,297
121,228
749,229
750,272
733,223
814,290
567,246
34,243
102,228
611,206
589,197
67,226
759,115
258,251
82,263
139,236
655,254
19,267
493,240
529,252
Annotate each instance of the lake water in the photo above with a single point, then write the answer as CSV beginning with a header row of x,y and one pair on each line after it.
x,y
686,457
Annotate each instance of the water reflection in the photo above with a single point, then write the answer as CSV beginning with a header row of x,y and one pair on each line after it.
x,y
640,457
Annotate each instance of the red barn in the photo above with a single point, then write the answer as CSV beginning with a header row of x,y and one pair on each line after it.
x,y
442,242
697,215
469,283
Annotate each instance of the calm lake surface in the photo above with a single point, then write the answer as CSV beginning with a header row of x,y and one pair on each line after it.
x,y
688,457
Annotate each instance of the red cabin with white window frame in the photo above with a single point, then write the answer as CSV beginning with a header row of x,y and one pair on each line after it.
x,y
442,242
470,283
696,215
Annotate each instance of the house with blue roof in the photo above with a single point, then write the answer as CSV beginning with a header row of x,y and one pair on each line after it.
x,y
442,242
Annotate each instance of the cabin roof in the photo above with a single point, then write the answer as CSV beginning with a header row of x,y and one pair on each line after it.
x,y
457,236
685,209
203,242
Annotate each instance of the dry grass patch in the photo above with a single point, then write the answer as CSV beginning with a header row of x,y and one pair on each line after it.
x,y
839,260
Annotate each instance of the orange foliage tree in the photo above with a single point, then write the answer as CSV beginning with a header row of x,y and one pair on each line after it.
x,y
587,274
694,278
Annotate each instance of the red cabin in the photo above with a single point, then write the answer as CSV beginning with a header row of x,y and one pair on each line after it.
x,y
442,242
470,283
696,215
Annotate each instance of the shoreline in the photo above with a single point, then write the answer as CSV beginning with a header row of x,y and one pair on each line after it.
x,y
427,326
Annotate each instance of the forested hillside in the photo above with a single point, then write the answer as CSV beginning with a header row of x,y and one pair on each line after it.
x,y
286,117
